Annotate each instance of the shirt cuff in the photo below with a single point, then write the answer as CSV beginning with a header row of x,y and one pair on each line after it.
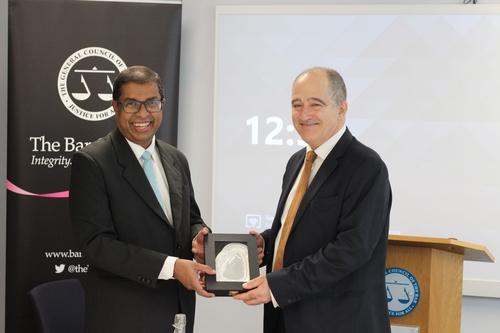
x,y
275,304
167,271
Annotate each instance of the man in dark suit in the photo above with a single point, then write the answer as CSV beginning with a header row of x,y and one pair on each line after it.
x,y
325,252
135,217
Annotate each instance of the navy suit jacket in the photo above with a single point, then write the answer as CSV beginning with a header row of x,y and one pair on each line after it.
x,y
125,236
333,278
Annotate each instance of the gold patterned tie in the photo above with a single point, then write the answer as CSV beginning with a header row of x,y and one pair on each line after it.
x,y
292,211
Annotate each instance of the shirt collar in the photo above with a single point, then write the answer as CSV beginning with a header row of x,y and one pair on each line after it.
x,y
325,149
139,150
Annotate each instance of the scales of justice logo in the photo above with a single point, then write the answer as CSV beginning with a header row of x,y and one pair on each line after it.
x,y
402,290
85,82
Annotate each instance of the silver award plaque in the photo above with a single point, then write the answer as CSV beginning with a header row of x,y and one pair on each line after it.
x,y
231,264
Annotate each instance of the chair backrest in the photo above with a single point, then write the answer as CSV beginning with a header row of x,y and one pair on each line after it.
x,y
60,306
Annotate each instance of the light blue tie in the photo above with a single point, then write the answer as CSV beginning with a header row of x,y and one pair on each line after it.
x,y
150,173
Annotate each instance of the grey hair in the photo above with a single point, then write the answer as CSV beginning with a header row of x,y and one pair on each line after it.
x,y
338,90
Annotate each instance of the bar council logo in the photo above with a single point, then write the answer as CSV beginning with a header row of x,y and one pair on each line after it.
x,y
402,291
85,82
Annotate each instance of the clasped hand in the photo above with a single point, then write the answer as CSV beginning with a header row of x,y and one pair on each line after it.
x,y
192,274
189,274
258,292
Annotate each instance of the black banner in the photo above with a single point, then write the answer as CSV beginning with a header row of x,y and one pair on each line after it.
x,y
63,58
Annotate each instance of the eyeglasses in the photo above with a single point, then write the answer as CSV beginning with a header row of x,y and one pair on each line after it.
x,y
133,106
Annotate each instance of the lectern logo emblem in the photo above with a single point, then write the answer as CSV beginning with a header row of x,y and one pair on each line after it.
x,y
85,82
402,290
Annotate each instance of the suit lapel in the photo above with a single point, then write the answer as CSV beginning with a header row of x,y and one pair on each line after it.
x,y
287,186
133,173
174,179
324,172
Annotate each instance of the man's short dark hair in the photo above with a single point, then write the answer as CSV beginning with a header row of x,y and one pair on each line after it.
x,y
337,85
136,74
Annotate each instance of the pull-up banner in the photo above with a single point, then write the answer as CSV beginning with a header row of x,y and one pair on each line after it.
x,y
63,58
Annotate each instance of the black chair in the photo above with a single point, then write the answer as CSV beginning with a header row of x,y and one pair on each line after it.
x,y
60,306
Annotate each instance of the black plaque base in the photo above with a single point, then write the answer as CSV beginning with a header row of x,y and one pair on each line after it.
x,y
214,243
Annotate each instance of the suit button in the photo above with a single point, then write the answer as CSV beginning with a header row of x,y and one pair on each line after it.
x,y
178,246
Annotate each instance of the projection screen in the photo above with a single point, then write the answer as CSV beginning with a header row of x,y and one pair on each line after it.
x,y
423,86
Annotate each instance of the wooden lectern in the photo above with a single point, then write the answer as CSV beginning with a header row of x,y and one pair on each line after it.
x,y
437,264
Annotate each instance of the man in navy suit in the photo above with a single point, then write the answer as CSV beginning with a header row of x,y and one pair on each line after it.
x,y
135,217
325,252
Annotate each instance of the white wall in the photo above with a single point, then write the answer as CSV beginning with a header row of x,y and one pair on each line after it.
x,y
195,139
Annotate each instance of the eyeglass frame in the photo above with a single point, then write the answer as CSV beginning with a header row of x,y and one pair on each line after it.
x,y
142,103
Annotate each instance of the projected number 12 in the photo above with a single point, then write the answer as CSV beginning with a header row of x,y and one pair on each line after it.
x,y
272,138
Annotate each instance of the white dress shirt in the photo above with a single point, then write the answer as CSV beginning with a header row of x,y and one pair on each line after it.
x,y
321,152
167,271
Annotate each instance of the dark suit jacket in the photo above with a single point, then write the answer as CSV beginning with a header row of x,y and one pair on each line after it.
x,y
333,280
125,236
